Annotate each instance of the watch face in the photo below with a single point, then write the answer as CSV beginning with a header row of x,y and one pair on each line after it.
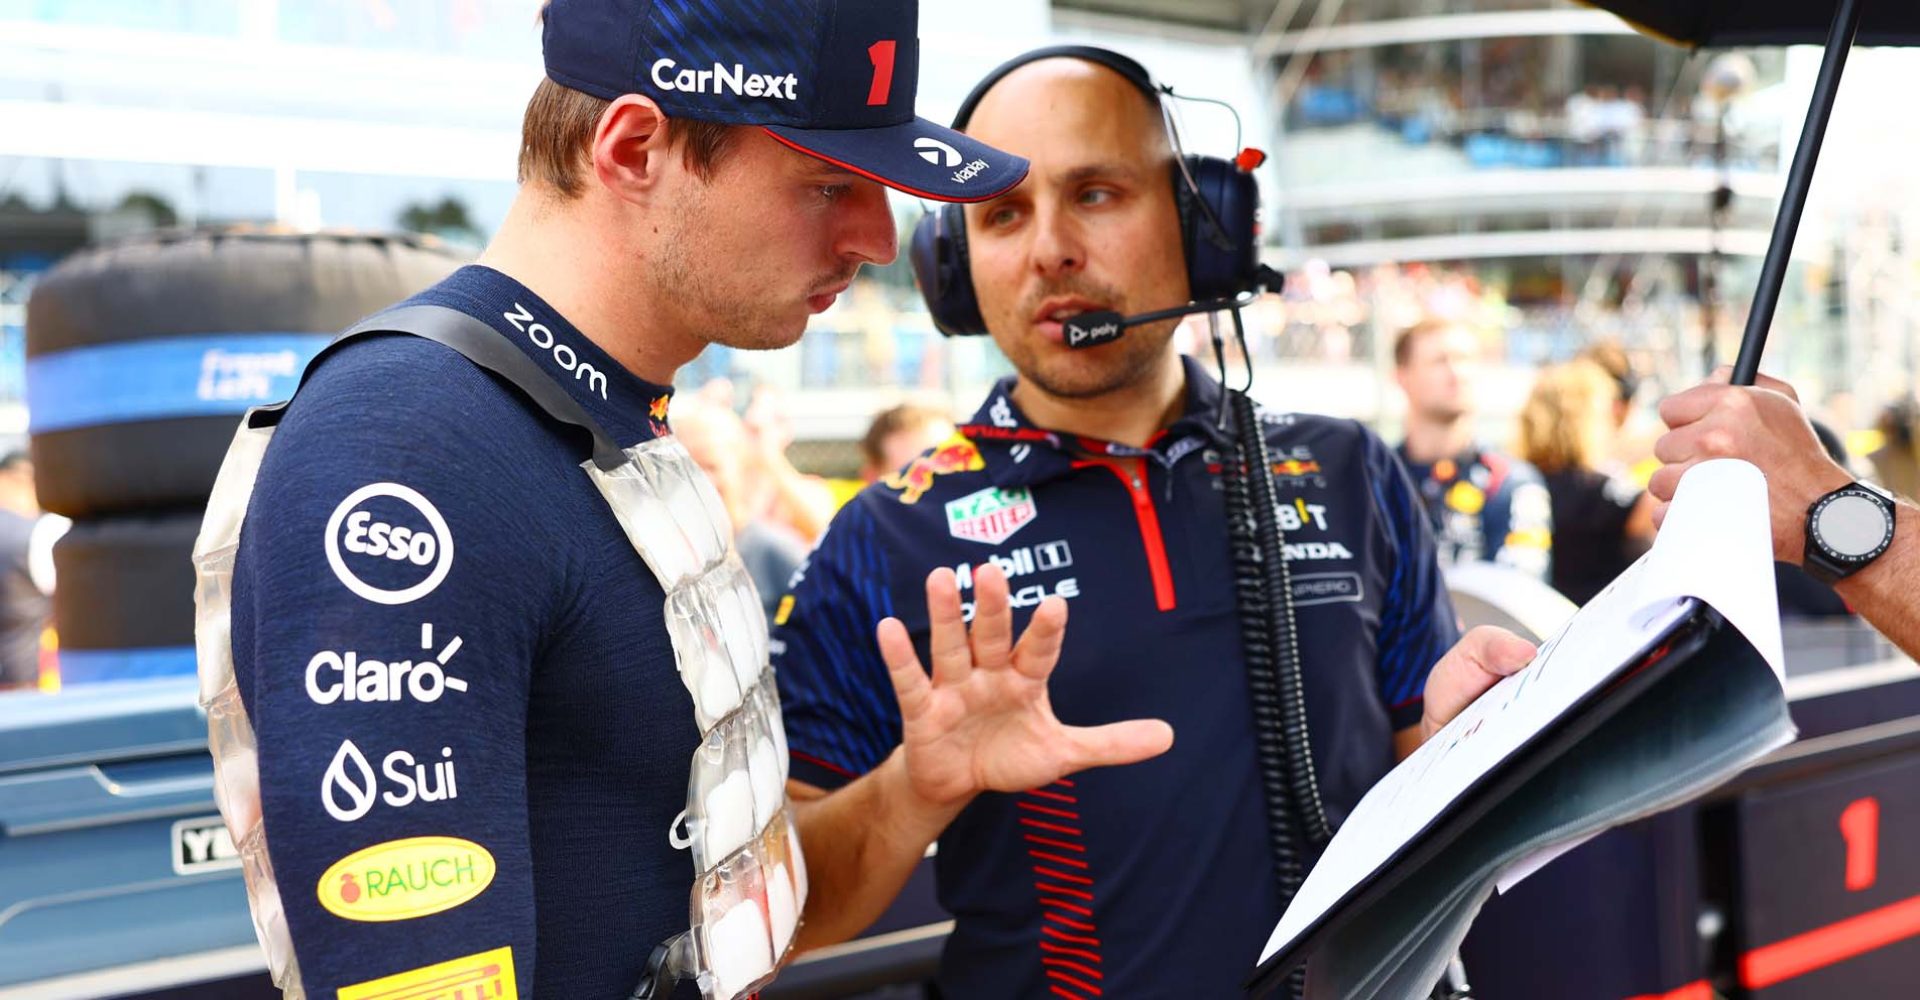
x,y
1851,526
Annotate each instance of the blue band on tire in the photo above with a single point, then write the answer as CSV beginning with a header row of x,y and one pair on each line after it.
x,y
164,378
92,666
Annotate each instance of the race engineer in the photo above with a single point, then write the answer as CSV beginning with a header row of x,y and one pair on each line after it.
x,y
1092,482
455,655
1486,505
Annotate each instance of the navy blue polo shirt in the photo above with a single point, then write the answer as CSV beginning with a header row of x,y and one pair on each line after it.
x,y
1151,880
473,739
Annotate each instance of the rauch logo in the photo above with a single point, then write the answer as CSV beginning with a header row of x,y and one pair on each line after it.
x,y
404,879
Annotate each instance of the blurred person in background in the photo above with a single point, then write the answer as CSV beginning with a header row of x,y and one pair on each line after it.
x,y
1851,535
1485,505
1897,461
1630,453
1612,358
25,607
1601,523
719,443
784,495
897,434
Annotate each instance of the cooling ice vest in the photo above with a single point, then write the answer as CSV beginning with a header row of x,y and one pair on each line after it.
x,y
751,883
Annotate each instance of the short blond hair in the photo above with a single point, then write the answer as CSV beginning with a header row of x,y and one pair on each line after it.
x,y
556,135
1567,417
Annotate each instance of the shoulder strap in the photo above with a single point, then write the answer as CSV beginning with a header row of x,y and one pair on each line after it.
x,y
478,343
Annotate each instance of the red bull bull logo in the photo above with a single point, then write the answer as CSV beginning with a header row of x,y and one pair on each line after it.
x,y
657,415
955,454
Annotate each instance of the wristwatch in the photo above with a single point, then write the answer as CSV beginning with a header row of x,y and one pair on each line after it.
x,y
1846,530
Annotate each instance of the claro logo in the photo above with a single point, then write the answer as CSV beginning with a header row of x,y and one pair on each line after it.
x,y
543,338
359,540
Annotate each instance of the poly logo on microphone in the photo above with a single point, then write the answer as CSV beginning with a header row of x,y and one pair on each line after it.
x,y
1092,330
936,152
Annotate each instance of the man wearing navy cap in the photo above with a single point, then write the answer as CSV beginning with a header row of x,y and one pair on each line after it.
x,y
473,741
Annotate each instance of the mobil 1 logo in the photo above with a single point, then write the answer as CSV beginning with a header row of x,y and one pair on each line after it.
x,y
201,845
388,544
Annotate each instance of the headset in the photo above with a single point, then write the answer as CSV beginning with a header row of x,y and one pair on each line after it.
x,y
1218,202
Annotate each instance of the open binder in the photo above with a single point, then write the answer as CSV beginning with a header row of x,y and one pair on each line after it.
x,y
1664,686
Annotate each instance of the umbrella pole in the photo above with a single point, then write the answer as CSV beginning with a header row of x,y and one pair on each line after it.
x,y
1773,273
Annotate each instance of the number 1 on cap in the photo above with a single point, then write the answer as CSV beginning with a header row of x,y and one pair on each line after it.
x,y
882,55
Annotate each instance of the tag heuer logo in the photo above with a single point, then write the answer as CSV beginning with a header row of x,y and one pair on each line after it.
x,y
990,516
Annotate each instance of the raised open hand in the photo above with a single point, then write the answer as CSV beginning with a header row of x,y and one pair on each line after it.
x,y
982,721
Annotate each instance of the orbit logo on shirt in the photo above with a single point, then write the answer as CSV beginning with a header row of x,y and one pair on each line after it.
x,y
349,790
388,544
1300,515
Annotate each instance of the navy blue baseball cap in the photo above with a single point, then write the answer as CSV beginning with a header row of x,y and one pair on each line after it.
x,y
834,79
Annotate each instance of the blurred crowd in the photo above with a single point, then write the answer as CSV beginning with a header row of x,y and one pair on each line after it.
x,y
1330,316
1504,114
1577,435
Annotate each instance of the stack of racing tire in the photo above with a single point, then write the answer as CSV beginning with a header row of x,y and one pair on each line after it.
x,y
141,357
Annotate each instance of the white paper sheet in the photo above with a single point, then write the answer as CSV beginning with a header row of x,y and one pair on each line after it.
x,y
1715,546
1519,871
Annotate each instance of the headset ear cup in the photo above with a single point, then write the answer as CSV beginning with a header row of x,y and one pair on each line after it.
x,y
939,255
1223,260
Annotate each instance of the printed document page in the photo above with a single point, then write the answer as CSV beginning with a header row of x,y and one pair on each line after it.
x,y
1715,546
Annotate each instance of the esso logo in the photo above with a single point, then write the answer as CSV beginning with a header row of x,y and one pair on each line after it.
x,y
363,537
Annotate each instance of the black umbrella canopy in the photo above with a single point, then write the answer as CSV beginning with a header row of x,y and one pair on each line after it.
x,y
1696,23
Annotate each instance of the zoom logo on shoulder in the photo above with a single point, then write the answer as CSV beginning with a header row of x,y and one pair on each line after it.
x,y
388,544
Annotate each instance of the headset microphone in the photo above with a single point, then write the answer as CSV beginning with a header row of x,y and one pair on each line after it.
x,y
1092,329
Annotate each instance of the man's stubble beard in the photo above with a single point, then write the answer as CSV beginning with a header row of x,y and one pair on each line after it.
x,y
1089,373
715,312
1080,376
